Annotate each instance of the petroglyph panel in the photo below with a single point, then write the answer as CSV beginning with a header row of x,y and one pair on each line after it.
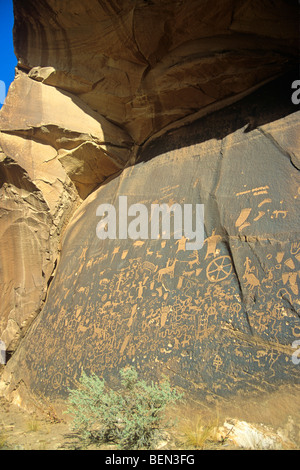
x,y
218,320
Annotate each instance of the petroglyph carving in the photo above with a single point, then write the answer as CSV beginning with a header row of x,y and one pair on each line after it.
x,y
181,244
278,212
261,189
219,269
196,260
241,220
169,269
251,280
212,243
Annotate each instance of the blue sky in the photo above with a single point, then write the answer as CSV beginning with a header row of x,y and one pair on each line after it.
x,y
8,59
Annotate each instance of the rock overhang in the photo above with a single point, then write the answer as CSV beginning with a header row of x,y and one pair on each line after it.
x,y
99,87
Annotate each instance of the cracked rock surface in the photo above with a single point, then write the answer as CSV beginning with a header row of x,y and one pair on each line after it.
x,y
165,102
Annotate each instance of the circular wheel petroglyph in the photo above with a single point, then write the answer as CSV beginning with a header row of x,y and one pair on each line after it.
x,y
219,269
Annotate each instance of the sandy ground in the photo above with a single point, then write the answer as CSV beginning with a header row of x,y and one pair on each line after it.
x,y
20,430
276,415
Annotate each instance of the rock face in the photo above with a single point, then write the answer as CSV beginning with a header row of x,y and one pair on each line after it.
x,y
54,154
221,319
150,98
147,64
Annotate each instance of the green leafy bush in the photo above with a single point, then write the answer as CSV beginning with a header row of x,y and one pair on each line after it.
x,y
131,417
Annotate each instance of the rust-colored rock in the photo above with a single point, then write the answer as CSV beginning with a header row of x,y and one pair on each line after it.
x,y
131,94
220,320
147,64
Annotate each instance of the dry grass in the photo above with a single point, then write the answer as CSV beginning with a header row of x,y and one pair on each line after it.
x,y
3,440
33,425
200,432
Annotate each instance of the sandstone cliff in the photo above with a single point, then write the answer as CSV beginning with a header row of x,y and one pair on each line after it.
x,y
164,102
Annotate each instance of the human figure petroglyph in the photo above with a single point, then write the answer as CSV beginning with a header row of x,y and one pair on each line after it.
x,y
181,244
217,362
251,280
212,242
140,290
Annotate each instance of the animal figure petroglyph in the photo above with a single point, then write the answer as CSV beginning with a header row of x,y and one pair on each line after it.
x,y
169,269
251,280
195,260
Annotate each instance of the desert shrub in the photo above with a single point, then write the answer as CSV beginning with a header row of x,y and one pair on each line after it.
x,y
131,417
